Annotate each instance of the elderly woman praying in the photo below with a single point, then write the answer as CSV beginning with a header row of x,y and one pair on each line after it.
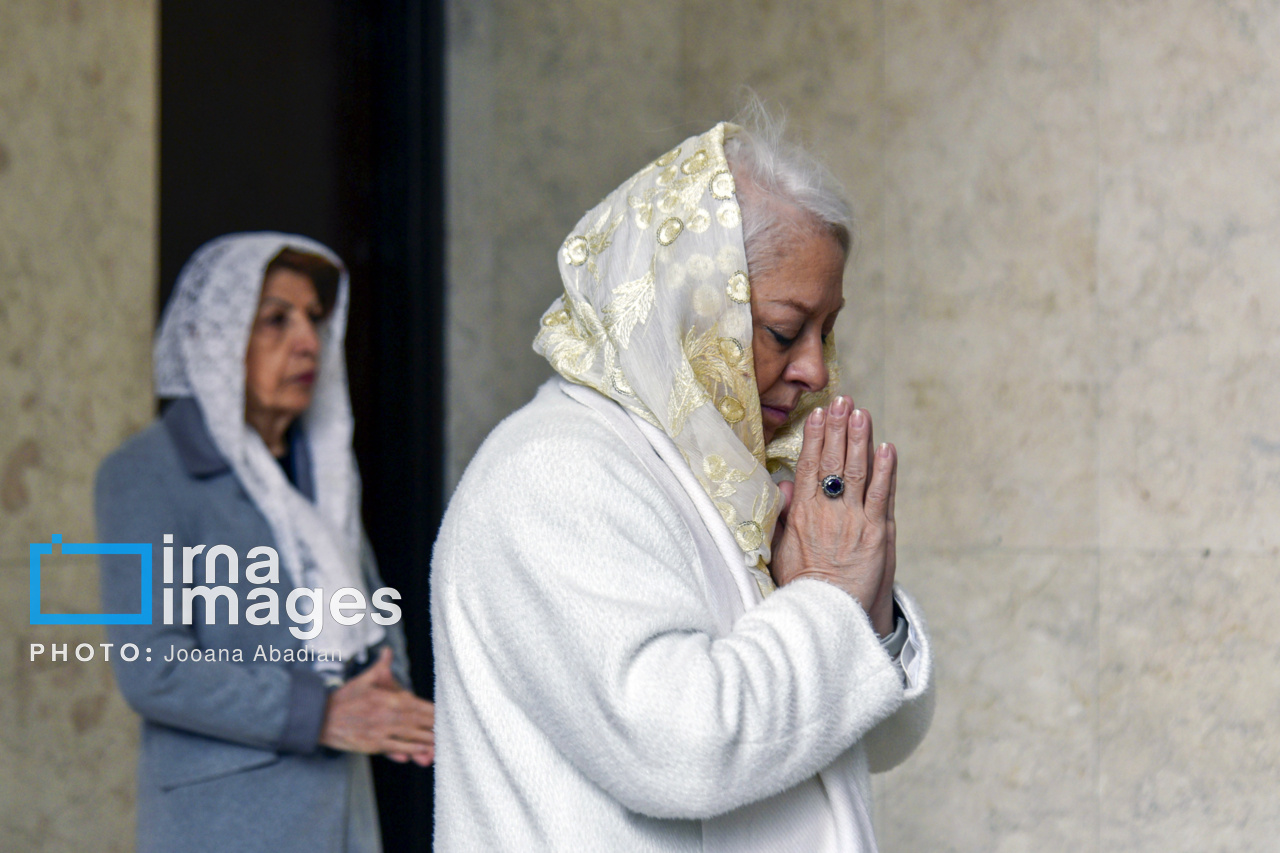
x,y
663,595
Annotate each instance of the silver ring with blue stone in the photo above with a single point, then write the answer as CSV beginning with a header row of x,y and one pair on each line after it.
x,y
832,486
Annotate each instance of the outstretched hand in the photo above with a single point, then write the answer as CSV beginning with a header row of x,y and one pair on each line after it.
x,y
372,713
847,541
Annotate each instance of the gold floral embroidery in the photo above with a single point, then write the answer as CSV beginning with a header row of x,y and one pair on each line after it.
x,y
722,185
721,481
707,301
643,209
572,346
674,275
700,221
730,259
686,396
722,476
588,247
717,364
632,304
669,231
704,355
668,158
731,410
732,351
729,215
575,251
555,318
749,535
700,267
697,161
738,289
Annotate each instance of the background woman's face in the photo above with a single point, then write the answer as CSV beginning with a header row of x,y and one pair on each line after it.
x,y
284,346
793,309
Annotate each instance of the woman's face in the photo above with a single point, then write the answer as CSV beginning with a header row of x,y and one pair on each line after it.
x,y
284,348
793,309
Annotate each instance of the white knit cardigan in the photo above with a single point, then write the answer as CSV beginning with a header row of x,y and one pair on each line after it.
x,y
608,678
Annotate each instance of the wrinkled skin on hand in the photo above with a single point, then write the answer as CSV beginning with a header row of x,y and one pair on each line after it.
x,y
372,713
847,541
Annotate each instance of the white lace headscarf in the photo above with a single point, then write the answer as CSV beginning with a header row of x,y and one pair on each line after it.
x,y
200,353
656,315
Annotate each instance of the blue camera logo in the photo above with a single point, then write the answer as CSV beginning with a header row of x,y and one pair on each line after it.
x,y
142,549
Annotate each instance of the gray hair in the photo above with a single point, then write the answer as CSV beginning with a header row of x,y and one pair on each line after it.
x,y
783,191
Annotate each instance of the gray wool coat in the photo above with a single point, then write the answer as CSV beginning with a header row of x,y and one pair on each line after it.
x,y
229,757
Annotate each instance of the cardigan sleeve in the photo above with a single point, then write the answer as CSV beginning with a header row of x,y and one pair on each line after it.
x,y
580,588
260,704
896,737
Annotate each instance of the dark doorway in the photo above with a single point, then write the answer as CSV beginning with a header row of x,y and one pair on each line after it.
x,y
325,118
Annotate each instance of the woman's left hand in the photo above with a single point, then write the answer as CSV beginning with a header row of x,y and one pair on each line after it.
x,y
372,713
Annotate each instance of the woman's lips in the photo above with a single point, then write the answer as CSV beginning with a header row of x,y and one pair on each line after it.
x,y
773,415
307,378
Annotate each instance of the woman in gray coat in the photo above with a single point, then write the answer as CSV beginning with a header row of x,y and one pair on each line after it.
x,y
273,660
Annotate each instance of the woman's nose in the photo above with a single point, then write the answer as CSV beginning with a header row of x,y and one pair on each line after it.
x,y
306,338
809,368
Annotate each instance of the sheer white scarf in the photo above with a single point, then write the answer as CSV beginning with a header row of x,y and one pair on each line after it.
x,y
200,353
656,315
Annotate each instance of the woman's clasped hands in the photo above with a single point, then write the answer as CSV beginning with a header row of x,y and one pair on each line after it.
x,y
372,713
847,541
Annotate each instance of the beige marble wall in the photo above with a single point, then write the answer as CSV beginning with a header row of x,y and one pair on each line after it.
x,y
549,102
992,354
77,247
1189,428
1064,314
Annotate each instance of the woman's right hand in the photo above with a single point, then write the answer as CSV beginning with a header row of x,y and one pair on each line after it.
x,y
846,541
372,713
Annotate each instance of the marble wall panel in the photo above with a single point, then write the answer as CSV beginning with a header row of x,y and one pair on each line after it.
x,y
76,253
77,261
1189,702
68,742
1189,248
1010,763
990,269
562,102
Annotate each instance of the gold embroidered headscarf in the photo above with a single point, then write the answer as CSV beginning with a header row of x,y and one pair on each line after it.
x,y
656,315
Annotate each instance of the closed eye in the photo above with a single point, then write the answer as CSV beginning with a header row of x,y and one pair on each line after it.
x,y
781,338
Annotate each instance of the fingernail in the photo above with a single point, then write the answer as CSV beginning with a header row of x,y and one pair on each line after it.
x,y
817,416
840,406
883,451
859,418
